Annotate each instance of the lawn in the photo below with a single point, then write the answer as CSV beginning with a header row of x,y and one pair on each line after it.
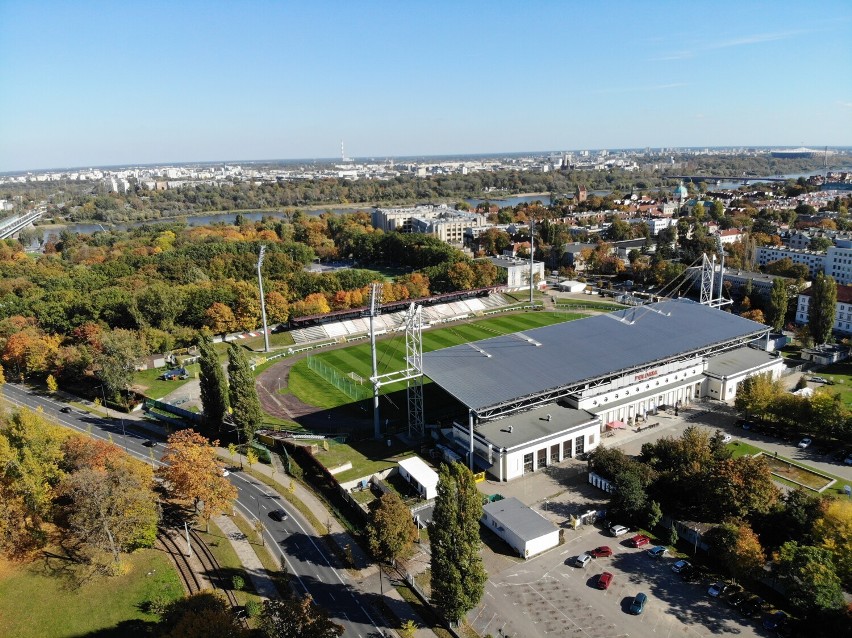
x,y
155,388
739,448
276,340
311,389
841,374
37,604
367,457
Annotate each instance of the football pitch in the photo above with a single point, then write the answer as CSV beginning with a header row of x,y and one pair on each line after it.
x,y
390,352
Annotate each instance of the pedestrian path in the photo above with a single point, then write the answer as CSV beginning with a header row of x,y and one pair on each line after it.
x,y
258,575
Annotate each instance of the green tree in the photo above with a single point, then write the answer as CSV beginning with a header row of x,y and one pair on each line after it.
x,y
245,404
630,501
822,307
776,310
809,577
458,575
213,386
296,618
121,350
390,530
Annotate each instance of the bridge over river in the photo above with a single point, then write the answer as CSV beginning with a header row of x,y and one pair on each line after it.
x,y
9,227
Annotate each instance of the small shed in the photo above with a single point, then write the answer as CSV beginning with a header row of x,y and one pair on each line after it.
x,y
420,476
524,529
571,286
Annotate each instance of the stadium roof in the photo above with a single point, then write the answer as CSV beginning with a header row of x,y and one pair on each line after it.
x,y
491,375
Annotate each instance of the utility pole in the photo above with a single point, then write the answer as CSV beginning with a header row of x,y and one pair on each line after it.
x,y
262,299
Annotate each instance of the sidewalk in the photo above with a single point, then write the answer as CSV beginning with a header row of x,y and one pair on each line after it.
x,y
365,572
263,585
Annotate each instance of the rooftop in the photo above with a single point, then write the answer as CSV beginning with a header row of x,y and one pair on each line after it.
x,y
844,293
525,427
566,355
520,519
738,361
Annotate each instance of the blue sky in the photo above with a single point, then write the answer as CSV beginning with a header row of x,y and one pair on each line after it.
x,y
121,82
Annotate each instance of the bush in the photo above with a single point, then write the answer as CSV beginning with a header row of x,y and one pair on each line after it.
x,y
262,452
237,582
253,608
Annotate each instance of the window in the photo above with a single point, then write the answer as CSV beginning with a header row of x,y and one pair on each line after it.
x,y
554,453
528,463
579,445
542,457
567,449
591,439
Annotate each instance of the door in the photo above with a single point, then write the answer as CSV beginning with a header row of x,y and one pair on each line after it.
x,y
542,458
554,453
528,463
568,449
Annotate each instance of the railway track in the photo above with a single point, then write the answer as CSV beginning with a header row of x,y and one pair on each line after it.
x,y
194,581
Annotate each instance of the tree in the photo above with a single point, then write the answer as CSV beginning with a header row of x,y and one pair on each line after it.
x,y
630,501
458,576
822,307
192,471
111,507
220,319
2,376
245,404
809,578
52,385
741,486
834,530
203,615
296,618
30,456
739,549
120,351
777,307
391,529
757,394
213,387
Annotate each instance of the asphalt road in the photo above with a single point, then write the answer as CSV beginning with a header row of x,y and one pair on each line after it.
x,y
307,560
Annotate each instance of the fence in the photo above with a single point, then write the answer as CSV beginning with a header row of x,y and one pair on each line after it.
x,y
192,417
350,388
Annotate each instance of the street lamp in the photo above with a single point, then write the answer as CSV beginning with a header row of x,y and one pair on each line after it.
x,y
236,428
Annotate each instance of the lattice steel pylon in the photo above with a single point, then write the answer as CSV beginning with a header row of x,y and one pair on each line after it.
x,y
412,373
708,269
414,358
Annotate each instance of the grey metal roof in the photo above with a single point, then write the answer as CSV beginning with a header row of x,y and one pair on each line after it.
x,y
737,361
520,519
533,425
506,368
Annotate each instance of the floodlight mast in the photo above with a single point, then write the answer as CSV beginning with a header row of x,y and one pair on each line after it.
x,y
375,309
262,299
532,253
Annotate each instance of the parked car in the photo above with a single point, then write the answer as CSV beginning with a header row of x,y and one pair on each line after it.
x,y
682,566
775,620
278,515
744,424
638,604
618,530
657,552
804,443
601,552
727,438
604,580
718,589
848,460
819,380
639,540
582,560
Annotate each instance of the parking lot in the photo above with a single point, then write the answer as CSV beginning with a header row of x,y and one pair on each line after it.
x,y
548,596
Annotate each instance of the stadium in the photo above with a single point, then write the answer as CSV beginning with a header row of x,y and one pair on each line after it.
x,y
541,396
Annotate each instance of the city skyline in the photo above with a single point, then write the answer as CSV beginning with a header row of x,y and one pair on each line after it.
x,y
101,84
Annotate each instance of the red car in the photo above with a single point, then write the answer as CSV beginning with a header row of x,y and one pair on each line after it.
x,y
604,580
639,540
601,552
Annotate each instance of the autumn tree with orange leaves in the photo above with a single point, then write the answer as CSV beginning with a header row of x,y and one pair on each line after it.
x,y
193,472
